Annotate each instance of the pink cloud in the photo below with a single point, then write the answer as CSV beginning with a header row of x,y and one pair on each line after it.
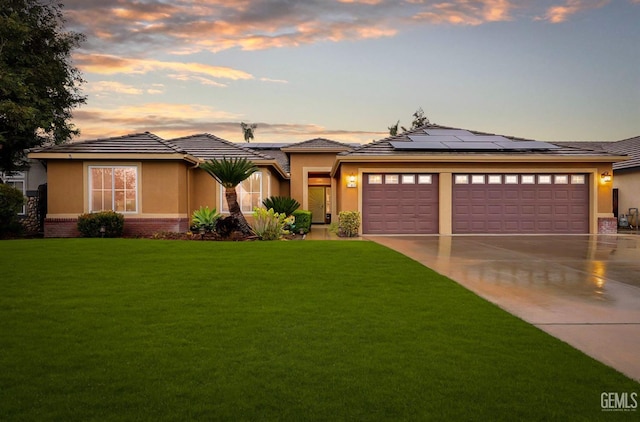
x,y
560,13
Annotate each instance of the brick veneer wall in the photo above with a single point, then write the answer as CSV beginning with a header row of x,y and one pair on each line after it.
x,y
68,227
607,225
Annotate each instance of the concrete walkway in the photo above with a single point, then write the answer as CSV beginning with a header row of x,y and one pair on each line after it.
x,y
584,290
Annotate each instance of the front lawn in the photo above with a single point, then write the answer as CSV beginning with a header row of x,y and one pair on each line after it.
x,y
114,329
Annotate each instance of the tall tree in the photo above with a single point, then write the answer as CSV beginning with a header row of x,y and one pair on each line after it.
x,y
247,130
419,120
39,86
230,173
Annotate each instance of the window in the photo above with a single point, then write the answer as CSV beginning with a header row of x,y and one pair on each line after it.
x,y
375,179
249,194
577,179
495,179
511,179
561,179
544,179
462,179
477,179
391,179
408,179
528,179
424,179
113,189
16,180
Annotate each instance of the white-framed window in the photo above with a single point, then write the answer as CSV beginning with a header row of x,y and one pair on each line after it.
x,y
249,194
113,188
528,179
477,179
375,179
18,181
510,179
425,179
408,179
462,179
495,179
544,179
391,179
577,179
561,179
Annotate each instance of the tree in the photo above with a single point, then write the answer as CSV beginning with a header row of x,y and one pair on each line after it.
x,y
419,120
38,84
247,130
230,173
393,130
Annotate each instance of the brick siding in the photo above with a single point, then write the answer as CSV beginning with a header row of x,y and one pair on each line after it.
x,y
68,227
607,225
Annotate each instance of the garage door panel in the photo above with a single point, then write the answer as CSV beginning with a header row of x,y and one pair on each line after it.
x,y
532,207
400,208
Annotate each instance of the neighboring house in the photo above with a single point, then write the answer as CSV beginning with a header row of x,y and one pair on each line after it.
x,y
626,174
31,183
433,180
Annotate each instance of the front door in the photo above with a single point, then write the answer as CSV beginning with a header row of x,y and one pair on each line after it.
x,y
318,203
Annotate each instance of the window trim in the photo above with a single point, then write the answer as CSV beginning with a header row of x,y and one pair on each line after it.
x,y
90,167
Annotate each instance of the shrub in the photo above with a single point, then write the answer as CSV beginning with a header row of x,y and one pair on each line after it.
x,y
89,224
11,202
348,223
303,220
268,224
281,204
204,218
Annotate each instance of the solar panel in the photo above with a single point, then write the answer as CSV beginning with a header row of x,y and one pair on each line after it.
x,y
527,145
419,145
482,138
468,146
437,138
448,132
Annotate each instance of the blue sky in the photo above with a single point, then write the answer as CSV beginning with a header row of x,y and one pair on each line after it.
x,y
348,69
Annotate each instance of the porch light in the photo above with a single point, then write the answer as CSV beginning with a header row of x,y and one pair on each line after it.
x,y
352,181
606,177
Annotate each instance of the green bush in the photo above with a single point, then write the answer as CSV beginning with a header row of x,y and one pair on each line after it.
x,y
348,223
11,202
204,218
268,224
89,224
281,204
303,221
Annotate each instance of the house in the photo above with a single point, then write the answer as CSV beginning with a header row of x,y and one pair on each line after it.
x,y
626,174
432,180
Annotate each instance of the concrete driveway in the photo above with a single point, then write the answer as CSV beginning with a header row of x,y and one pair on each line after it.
x,y
584,290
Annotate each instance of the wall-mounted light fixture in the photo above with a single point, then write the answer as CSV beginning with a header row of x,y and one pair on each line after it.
x,y
352,181
606,177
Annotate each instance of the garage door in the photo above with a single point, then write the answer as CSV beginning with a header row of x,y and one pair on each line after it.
x,y
400,204
520,203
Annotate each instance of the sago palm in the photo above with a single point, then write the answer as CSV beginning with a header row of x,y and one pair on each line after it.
x,y
230,173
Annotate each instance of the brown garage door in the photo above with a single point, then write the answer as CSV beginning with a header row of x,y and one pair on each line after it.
x,y
400,203
520,203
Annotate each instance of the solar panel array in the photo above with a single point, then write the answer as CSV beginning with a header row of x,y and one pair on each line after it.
x,y
463,140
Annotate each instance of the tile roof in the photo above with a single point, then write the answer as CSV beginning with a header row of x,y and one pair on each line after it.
x,y
385,148
630,147
318,143
137,143
207,146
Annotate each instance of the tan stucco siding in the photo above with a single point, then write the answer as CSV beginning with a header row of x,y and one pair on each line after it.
x,y
301,165
65,188
350,199
163,188
628,184
204,191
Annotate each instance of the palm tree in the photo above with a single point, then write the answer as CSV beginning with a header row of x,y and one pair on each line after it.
x,y
230,173
247,130
393,130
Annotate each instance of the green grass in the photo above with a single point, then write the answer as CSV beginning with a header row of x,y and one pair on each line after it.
x,y
113,329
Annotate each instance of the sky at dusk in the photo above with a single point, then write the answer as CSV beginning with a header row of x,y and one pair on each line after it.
x,y
347,69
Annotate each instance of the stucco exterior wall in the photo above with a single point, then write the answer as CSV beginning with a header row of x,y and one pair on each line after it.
x,y
163,188
628,184
65,196
301,165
